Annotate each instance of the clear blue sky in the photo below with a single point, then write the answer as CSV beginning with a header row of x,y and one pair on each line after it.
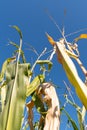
x,y
32,19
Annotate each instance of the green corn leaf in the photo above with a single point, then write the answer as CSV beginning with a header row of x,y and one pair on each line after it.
x,y
79,115
12,114
3,96
40,107
39,104
4,66
0,102
35,84
22,53
43,62
14,44
18,30
71,120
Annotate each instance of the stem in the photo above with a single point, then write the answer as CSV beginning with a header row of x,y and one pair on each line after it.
x,y
14,93
36,62
69,92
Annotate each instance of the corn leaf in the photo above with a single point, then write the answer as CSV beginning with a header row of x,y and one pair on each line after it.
x,y
71,72
12,114
50,39
22,53
71,120
79,113
82,36
43,62
14,44
4,66
35,84
81,124
39,104
18,30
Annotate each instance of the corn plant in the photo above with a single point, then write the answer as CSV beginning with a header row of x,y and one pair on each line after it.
x,y
17,84
65,51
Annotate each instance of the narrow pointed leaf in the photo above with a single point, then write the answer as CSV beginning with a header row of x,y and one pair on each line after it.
x,y
22,53
50,39
81,124
82,36
18,30
14,44
71,121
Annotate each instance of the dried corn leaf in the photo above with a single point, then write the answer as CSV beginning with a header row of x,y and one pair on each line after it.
x,y
50,39
52,120
30,106
72,74
71,70
82,36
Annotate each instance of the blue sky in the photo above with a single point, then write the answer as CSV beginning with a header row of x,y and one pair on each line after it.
x,y
32,19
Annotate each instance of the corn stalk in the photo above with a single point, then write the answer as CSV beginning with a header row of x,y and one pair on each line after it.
x,y
16,86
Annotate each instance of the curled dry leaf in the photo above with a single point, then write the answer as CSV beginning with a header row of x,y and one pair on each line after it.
x,y
52,120
30,106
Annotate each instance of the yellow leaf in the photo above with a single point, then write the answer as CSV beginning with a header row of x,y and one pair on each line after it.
x,y
50,39
72,74
70,69
82,36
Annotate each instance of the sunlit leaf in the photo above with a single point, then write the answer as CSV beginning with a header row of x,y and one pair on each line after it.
x,y
82,36
81,124
50,39
4,66
11,117
35,84
79,113
71,72
83,113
